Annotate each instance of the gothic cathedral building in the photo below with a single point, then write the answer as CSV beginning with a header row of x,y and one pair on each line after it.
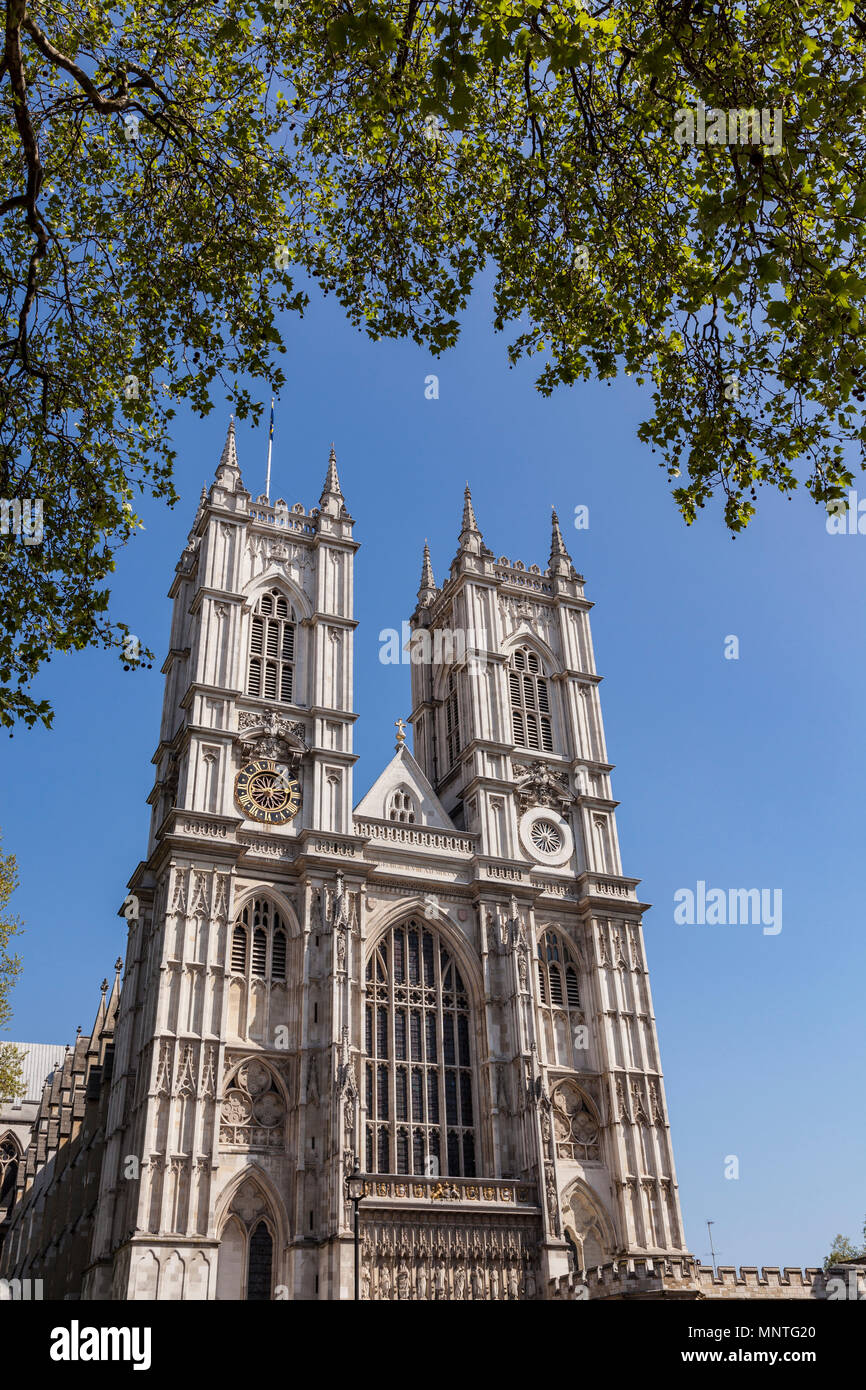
x,y
446,982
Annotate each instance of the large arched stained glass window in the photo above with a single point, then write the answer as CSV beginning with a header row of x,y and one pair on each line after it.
x,y
418,1072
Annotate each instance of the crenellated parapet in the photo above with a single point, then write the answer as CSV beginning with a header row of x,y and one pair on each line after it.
x,y
686,1278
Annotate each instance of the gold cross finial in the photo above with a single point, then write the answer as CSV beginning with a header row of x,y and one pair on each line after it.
x,y
400,726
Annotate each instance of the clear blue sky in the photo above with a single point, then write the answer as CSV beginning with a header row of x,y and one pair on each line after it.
x,y
746,773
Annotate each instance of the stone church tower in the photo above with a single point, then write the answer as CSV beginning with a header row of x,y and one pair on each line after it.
x,y
447,981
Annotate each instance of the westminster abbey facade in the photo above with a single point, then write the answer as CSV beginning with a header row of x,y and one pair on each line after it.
x,y
445,981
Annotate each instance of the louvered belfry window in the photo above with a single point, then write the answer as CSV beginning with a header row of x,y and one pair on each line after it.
x,y
418,1068
559,997
278,956
239,950
452,720
272,649
530,702
261,926
557,976
260,951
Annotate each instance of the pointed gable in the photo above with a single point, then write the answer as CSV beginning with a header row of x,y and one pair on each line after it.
x,y
403,793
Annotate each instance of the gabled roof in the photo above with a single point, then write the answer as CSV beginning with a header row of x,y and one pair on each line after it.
x,y
41,1059
403,771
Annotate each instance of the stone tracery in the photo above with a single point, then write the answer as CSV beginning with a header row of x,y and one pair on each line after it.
x,y
253,1109
575,1125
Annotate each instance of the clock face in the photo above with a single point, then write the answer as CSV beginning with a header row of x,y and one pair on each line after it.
x,y
265,791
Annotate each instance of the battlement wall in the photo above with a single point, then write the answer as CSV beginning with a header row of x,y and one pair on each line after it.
x,y
686,1279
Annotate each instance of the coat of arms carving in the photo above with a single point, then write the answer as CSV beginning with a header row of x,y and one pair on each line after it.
x,y
540,785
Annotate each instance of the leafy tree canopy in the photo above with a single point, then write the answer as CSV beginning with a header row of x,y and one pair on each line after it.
x,y
168,165
10,967
843,1250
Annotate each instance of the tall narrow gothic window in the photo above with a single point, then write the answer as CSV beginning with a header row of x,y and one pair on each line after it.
x,y
278,956
272,649
259,943
259,1267
559,996
9,1156
452,720
530,702
418,1073
239,950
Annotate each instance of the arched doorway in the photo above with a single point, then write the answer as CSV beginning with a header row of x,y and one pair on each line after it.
x,y
245,1268
586,1227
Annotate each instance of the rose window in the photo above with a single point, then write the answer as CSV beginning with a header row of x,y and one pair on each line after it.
x,y
546,837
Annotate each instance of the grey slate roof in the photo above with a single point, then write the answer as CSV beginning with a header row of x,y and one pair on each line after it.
x,y
40,1060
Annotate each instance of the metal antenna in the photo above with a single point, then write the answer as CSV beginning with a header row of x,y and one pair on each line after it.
x,y
712,1251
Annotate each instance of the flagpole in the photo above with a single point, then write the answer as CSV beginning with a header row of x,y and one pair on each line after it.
x,y
270,449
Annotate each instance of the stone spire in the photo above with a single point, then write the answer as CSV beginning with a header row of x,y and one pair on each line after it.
x,y
331,500
99,1022
114,998
228,474
469,522
202,503
470,537
560,560
427,588
192,540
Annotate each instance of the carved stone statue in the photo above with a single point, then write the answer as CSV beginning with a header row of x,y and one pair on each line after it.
x,y
521,967
550,1188
545,1124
